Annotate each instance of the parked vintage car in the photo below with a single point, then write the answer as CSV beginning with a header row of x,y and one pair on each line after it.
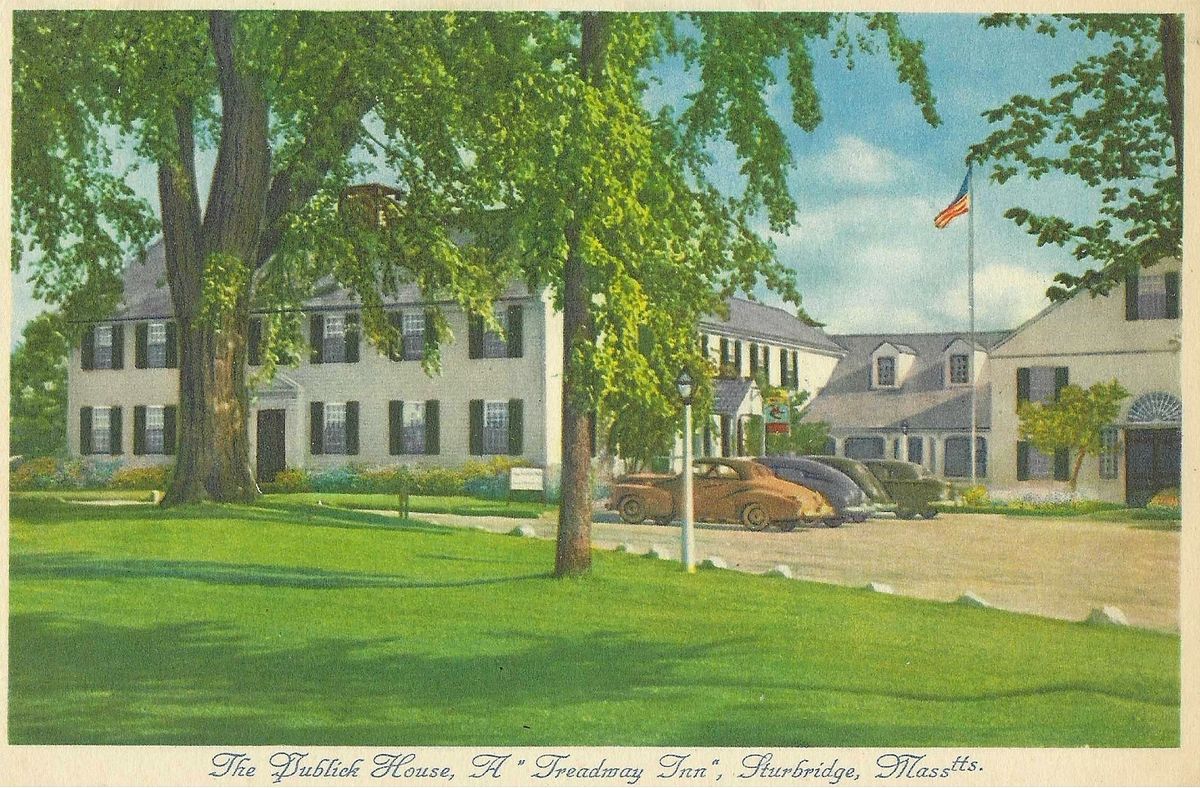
x,y
850,503
862,476
913,488
724,490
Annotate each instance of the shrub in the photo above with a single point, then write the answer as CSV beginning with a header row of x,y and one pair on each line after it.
x,y
153,477
38,473
976,496
1165,499
289,480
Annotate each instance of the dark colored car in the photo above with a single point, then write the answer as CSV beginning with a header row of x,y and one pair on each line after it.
x,y
846,497
723,491
913,488
862,476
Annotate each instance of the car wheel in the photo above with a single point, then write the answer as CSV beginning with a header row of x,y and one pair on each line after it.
x,y
662,520
788,525
632,510
755,517
834,522
905,514
929,513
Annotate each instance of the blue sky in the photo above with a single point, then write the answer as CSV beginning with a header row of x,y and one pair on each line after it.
x,y
870,179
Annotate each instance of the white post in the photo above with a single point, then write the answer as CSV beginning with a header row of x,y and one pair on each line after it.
x,y
971,310
688,558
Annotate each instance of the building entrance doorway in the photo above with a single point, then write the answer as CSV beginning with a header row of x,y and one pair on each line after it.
x,y
1152,462
272,457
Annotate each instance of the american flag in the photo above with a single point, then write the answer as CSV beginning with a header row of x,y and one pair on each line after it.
x,y
958,206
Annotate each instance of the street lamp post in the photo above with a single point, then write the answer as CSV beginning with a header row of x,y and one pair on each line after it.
x,y
904,431
686,388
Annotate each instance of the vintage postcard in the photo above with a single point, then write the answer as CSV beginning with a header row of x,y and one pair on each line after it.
x,y
685,395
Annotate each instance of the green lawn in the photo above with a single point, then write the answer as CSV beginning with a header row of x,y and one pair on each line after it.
x,y
85,495
297,624
435,504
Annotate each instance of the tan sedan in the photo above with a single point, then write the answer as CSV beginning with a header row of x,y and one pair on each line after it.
x,y
725,491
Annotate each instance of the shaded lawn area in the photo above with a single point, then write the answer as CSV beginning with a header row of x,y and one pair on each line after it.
x,y
260,624
84,495
430,504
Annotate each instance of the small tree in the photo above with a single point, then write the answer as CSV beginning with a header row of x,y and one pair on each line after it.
x,y
1073,422
38,407
803,437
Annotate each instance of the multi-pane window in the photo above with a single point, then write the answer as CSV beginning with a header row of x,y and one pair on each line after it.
x,y
413,328
414,428
1108,453
1041,466
156,345
960,368
103,358
885,371
101,429
1043,384
494,345
1152,297
335,427
957,456
495,427
334,341
154,429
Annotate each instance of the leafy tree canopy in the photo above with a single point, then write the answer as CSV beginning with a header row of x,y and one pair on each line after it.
x,y
1114,123
1073,422
37,424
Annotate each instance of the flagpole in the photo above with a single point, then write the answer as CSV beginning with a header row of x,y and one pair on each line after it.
x,y
971,310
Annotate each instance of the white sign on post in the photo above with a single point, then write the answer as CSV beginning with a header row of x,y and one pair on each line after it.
x,y
526,479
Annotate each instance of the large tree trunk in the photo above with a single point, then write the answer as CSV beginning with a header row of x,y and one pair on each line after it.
x,y
1170,33
573,555
213,457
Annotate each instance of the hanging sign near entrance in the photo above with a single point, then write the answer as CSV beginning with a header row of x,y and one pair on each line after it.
x,y
775,414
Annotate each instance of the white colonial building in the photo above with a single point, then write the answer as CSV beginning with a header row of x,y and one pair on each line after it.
x,y
346,402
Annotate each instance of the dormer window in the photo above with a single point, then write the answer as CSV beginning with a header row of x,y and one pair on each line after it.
x,y
885,371
960,368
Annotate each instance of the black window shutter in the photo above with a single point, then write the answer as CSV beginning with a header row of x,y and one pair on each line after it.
x,y
1022,461
433,428
1062,465
140,332
85,431
396,349
1022,385
87,349
316,339
704,346
395,427
766,363
1062,376
172,345
516,331
254,342
114,430
316,428
724,346
795,369
516,427
474,336
1131,297
430,331
783,371
1171,280
170,414
139,429
753,358
726,436
118,346
476,426
352,428
352,337
737,358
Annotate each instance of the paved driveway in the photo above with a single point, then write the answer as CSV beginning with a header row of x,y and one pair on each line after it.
x,y
1047,566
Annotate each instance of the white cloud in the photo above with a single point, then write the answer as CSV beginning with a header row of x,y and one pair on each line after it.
x,y
853,160
1006,295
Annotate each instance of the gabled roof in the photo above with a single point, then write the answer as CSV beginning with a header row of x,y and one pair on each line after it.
x,y
752,320
900,346
924,401
729,394
147,296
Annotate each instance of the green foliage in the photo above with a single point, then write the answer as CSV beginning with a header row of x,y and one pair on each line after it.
x,y
150,477
976,496
38,389
1074,421
803,437
1107,122
469,478
56,473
